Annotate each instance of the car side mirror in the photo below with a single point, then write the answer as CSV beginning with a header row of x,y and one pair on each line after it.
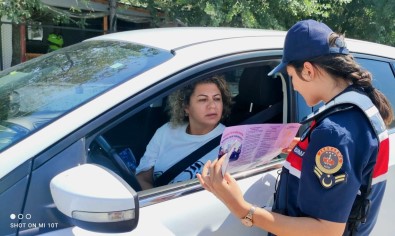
x,y
96,199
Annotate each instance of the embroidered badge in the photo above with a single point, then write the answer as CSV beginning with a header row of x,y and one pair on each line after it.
x,y
328,161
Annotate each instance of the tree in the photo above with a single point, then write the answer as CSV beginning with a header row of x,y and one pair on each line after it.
x,y
277,14
362,19
22,12
367,19
18,11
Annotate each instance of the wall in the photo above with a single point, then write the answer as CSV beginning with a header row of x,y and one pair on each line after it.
x,y
6,44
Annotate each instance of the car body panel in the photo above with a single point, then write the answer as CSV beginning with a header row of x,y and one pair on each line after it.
x,y
166,219
385,218
186,36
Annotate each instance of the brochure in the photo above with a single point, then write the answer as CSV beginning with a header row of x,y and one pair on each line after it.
x,y
247,146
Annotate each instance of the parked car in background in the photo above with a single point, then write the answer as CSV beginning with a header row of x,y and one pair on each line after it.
x,y
68,119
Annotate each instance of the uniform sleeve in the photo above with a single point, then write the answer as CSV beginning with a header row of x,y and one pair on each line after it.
x,y
329,177
151,153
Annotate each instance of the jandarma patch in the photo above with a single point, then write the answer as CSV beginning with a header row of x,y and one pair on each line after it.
x,y
329,161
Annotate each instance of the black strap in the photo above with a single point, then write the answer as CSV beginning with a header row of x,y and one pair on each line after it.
x,y
360,209
318,118
175,170
321,117
265,114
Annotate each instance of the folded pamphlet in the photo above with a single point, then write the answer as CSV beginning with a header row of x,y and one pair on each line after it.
x,y
247,146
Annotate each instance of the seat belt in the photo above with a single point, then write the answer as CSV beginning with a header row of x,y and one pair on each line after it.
x,y
264,115
180,166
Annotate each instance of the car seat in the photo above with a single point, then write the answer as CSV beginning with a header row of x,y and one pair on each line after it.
x,y
257,93
137,131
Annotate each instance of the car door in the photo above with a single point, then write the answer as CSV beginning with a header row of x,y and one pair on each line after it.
x,y
182,208
382,70
185,208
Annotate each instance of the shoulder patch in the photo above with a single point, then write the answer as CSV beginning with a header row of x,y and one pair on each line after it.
x,y
328,161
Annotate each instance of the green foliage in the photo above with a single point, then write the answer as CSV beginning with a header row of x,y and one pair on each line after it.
x,y
367,19
370,20
30,11
271,14
19,10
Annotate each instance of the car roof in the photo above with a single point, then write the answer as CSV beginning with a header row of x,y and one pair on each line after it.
x,y
174,38
370,48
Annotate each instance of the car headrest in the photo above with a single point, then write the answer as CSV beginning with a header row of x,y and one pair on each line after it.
x,y
258,88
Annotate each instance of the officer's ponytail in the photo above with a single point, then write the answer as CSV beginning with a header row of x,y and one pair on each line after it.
x,y
362,79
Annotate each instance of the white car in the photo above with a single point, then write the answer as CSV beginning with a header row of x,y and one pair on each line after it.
x,y
72,119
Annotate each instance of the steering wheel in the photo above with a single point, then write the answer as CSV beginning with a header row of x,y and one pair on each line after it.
x,y
127,174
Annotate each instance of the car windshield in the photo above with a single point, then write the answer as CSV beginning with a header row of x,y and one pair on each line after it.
x,y
37,92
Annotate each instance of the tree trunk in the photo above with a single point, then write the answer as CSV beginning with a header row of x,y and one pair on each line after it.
x,y
16,45
113,15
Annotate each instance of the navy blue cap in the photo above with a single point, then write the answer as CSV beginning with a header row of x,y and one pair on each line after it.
x,y
306,40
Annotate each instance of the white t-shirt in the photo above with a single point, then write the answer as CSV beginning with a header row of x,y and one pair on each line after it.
x,y
170,144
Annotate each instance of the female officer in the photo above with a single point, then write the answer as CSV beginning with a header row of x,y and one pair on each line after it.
x,y
340,161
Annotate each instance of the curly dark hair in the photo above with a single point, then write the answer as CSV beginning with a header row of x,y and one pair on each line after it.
x,y
178,100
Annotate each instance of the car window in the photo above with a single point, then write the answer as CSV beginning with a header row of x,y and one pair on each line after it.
x,y
383,78
252,92
35,93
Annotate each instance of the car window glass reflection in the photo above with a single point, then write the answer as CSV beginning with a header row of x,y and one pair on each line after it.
x,y
37,92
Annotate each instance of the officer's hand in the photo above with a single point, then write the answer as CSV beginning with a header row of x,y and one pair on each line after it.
x,y
225,188
291,145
